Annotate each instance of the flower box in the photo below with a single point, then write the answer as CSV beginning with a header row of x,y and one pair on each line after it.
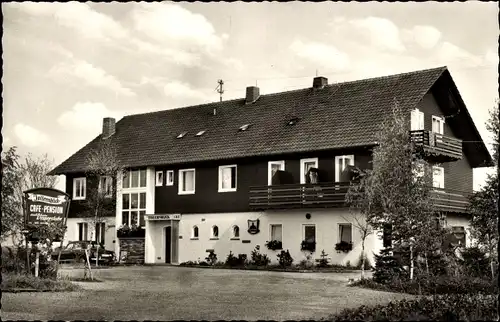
x,y
343,247
274,245
126,231
308,246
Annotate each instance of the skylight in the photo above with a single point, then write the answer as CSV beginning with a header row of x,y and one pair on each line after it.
x,y
200,133
293,121
181,135
244,127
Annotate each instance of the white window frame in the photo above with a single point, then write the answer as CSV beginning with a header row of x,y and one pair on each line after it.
x,y
106,179
271,232
302,163
304,232
233,235
440,119
85,231
100,232
159,178
441,181
192,232
270,167
338,171
418,123
128,177
129,209
339,239
83,184
181,182
169,178
222,167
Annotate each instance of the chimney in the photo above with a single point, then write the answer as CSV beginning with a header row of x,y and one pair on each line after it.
x,y
108,127
320,82
252,94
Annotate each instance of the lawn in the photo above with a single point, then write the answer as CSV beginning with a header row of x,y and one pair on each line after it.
x,y
183,293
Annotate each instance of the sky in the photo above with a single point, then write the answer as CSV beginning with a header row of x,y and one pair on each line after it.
x,y
66,66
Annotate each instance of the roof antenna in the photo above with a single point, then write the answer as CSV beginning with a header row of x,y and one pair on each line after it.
x,y
220,90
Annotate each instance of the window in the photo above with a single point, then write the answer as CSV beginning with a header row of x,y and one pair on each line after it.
x,y
244,127
277,232
215,232
236,232
309,235
159,178
134,208
170,178
341,162
195,234
106,186
134,179
200,133
273,167
100,232
82,231
438,124
345,233
417,120
458,236
438,177
305,165
186,181
183,134
79,188
227,178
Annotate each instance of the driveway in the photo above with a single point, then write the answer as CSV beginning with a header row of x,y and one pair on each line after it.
x,y
183,293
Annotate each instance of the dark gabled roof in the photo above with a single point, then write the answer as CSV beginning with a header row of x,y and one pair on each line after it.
x,y
337,116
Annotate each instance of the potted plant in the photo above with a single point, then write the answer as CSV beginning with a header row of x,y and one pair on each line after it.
x,y
308,245
343,246
126,231
274,244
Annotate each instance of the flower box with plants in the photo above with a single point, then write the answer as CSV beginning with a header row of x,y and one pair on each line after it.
x,y
308,246
274,244
343,246
126,231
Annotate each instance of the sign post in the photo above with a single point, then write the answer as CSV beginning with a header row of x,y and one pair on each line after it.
x,y
41,207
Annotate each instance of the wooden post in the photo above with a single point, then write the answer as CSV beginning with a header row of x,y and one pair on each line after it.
x,y
37,262
411,262
97,256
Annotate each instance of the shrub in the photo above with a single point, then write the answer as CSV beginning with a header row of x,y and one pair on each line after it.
x,y
274,245
188,263
16,281
387,268
203,263
211,258
285,259
437,308
368,265
259,259
242,259
323,262
308,246
475,262
343,246
232,260
126,231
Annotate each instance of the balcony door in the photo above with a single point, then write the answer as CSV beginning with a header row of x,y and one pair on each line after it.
x,y
417,120
341,162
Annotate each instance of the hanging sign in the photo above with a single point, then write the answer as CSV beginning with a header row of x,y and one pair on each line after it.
x,y
164,217
45,205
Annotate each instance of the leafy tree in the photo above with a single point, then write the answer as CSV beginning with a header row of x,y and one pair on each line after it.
x,y
362,225
398,189
484,203
12,217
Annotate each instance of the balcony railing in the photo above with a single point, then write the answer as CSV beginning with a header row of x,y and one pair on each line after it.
x,y
332,195
437,146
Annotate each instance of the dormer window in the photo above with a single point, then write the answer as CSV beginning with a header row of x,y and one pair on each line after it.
x,y
244,127
200,133
293,121
183,134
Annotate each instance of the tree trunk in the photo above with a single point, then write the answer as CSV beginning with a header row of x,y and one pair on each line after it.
x,y
411,262
363,258
426,263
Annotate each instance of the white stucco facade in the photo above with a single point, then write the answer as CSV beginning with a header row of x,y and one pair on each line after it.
x,y
109,235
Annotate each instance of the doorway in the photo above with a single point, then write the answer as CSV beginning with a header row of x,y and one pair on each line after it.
x,y
168,244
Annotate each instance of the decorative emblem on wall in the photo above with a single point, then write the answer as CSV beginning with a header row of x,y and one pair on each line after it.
x,y
253,226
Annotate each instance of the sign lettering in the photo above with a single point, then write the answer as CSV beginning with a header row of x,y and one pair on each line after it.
x,y
44,205
164,217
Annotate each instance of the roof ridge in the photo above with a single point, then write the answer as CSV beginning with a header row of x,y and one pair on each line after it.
x,y
291,91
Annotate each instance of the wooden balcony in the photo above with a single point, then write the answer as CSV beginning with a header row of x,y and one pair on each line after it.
x,y
437,147
332,195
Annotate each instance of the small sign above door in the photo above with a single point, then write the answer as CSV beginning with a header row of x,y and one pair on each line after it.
x,y
164,217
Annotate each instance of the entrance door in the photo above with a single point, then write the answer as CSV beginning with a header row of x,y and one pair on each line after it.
x,y
168,244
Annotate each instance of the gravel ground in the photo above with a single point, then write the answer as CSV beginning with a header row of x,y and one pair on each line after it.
x,y
182,293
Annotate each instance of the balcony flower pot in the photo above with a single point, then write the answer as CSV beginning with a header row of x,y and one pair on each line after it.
x,y
343,247
274,245
308,246
133,231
